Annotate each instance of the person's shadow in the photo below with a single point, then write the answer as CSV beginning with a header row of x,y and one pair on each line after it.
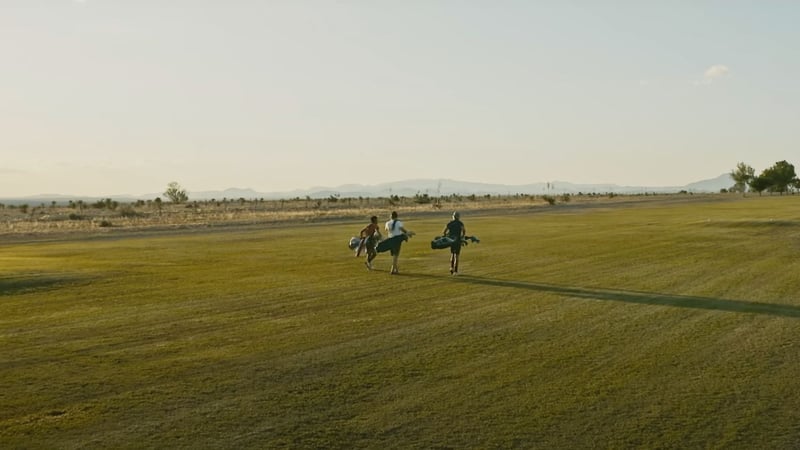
x,y
28,283
646,298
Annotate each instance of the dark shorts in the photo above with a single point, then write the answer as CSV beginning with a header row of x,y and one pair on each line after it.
x,y
456,247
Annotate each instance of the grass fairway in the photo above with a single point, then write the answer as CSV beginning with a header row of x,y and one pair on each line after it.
x,y
657,325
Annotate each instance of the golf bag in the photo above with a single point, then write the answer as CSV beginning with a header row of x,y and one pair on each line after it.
x,y
392,242
440,242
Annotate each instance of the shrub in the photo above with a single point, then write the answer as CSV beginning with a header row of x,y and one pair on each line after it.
x,y
105,204
128,212
422,199
549,199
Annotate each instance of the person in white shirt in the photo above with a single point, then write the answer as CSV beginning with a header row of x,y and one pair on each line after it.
x,y
395,229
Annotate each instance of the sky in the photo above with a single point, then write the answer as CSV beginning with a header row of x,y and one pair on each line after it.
x,y
113,97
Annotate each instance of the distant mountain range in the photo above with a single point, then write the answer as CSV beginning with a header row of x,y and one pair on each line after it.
x,y
438,187
409,188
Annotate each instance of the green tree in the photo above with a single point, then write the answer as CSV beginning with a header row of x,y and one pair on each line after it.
x,y
175,193
759,184
781,175
742,176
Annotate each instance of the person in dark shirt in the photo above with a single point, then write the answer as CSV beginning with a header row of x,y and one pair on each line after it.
x,y
455,230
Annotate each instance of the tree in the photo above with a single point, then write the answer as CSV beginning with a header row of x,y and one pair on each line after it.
x,y
175,193
780,176
742,176
759,184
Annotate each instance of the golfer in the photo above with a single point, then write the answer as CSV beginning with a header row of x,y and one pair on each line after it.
x,y
370,236
394,229
456,231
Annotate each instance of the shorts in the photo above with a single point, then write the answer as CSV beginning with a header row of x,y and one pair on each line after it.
x,y
370,244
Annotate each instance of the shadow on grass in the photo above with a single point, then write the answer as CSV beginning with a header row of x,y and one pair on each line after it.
x,y
756,223
30,283
645,298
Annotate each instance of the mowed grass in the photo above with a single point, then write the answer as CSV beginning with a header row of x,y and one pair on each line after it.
x,y
658,325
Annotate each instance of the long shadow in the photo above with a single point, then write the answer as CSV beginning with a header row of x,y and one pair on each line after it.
x,y
30,283
645,298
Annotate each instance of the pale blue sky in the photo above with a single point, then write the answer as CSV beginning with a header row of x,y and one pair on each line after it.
x,y
107,97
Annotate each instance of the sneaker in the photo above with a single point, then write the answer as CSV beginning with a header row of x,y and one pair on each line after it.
x,y
455,274
369,266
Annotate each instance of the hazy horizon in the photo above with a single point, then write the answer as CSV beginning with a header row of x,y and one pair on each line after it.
x,y
102,97
402,185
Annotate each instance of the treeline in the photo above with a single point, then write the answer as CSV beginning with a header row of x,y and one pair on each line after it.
x,y
780,178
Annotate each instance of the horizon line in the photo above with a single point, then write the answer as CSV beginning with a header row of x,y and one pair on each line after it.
x,y
552,187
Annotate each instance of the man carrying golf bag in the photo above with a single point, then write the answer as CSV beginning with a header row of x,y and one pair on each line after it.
x,y
456,231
